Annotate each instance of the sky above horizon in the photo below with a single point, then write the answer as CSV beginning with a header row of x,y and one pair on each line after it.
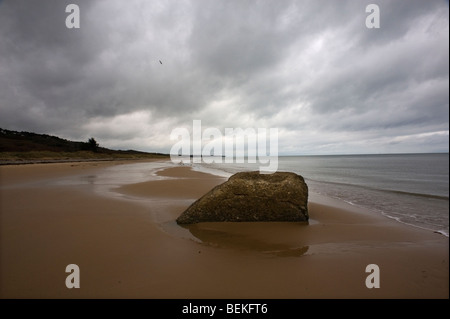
x,y
135,70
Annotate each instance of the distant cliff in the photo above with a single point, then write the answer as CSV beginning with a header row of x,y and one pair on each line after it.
x,y
32,146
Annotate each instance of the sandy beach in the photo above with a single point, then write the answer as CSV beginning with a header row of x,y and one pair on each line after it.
x,y
129,246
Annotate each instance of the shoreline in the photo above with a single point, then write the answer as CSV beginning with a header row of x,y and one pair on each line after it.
x,y
78,160
128,248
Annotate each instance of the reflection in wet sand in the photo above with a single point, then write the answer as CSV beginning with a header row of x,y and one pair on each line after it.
x,y
248,237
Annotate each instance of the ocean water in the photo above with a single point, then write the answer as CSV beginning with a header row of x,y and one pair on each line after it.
x,y
410,188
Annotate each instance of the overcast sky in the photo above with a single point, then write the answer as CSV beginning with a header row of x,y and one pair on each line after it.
x,y
312,69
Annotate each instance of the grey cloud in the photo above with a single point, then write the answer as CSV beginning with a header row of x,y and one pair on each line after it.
x,y
260,61
237,39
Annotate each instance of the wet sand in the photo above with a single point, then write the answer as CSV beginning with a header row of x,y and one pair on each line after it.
x,y
129,246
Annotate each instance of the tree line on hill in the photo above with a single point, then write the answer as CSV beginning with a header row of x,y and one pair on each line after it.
x,y
14,141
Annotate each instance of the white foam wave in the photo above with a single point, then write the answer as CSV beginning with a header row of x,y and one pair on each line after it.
x,y
398,219
212,171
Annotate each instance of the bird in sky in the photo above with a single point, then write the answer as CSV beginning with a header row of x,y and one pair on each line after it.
x,y
160,61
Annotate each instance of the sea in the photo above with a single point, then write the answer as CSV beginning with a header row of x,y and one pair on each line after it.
x,y
410,188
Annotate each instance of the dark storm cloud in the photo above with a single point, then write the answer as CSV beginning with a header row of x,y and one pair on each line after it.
x,y
310,68
107,67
